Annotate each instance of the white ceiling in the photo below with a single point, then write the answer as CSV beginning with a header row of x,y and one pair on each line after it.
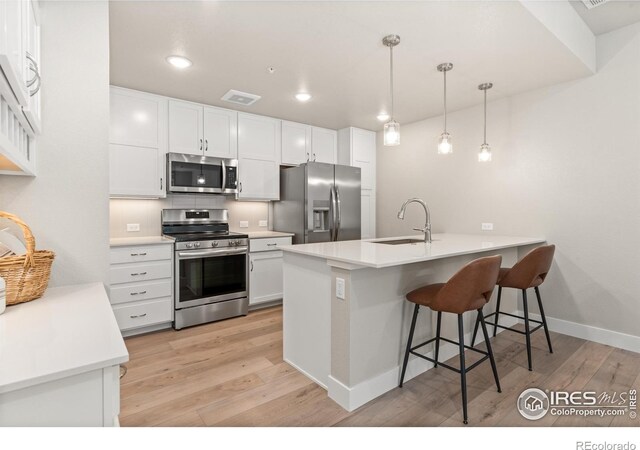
x,y
333,50
609,16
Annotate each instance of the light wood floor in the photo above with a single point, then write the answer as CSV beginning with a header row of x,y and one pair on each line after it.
x,y
231,373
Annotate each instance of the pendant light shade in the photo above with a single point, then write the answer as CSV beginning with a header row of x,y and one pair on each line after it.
x,y
391,133
485,151
391,128
445,145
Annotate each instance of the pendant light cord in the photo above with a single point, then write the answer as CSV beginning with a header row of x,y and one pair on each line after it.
x,y
391,79
485,116
445,101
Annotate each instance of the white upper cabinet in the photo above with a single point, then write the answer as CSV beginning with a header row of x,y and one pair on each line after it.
x,y
186,128
13,47
302,143
137,144
259,145
296,143
32,75
324,145
357,147
196,129
259,137
20,84
220,132
135,118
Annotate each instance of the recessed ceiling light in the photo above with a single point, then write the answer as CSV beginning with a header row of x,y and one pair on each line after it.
x,y
179,61
383,117
303,97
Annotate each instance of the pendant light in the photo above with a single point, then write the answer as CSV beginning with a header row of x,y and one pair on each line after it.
x,y
444,143
485,151
391,128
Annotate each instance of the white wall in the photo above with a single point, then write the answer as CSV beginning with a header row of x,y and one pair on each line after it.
x,y
566,166
67,204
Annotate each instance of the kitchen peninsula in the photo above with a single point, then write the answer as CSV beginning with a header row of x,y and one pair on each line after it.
x,y
346,320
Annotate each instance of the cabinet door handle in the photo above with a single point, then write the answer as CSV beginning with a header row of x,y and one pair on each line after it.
x,y
139,254
135,316
161,183
271,245
137,274
251,266
206,145
314,157
200,144
307,156
138,293
240,186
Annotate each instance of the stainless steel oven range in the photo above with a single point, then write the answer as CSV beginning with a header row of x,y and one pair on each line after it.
x,y
211,262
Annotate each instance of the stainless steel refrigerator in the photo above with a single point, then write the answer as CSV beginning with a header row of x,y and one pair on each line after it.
x,y
319,203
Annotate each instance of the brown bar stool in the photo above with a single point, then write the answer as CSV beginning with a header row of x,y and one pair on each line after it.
x,y
529,272
469,289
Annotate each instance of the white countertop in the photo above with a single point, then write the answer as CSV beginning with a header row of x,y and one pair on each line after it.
x,y
366,253
141,240
70,330
267,234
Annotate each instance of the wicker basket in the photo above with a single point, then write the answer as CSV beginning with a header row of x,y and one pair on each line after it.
x,y
26,275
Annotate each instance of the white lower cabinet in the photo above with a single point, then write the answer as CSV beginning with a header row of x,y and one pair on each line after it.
x,y
265,269
141,291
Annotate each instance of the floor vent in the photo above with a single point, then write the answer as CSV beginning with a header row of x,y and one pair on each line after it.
x,y
590,4
240,98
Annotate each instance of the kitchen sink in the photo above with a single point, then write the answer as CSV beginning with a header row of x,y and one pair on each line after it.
x,y
400,241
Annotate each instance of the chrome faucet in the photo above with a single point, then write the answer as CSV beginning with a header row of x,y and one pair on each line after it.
x,y
427,226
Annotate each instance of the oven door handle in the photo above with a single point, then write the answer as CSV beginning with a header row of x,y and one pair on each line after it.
x,y
207,253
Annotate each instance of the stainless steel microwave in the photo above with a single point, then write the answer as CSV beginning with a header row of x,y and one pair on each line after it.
x,y
201,174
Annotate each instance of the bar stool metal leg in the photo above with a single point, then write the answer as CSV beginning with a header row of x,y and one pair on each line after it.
x,y
489,349
409,340
544,319
526,327
438,338
463,370
495,327
475,331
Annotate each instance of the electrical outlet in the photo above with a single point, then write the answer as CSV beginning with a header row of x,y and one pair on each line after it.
x,y
487,227
244,224
133,227
263,223
340,288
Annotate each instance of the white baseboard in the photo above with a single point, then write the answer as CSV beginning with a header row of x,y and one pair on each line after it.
x,y
590,333
351,398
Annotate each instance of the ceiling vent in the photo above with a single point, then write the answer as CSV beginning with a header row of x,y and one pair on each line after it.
x,y
590,4
240,98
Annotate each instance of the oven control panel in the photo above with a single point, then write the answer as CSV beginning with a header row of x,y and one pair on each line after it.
x,y
219,243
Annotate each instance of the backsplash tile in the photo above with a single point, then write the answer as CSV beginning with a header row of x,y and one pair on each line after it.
x,y
147,213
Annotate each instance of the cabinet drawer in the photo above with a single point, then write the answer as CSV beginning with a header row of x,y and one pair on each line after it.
x,y
131,292
268,244
142,314
125,273
140,254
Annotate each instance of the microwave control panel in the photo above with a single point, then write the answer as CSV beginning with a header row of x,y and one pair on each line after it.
x,y
232,177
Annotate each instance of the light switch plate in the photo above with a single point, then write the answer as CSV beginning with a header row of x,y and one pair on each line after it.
x,y
340,288
487,227
133,227
263,223
244,224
